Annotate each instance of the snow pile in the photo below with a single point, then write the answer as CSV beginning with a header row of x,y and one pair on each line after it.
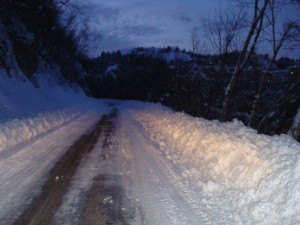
x,y
30,141
20,130
27,112
242,177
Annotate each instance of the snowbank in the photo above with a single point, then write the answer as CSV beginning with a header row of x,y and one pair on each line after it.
x,y
242,177
30,143
20,130
27,111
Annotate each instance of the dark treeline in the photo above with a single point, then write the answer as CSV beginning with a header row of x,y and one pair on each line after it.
x,y
150,78
195,86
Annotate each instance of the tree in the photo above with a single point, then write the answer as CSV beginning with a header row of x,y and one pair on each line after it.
x,y
290,31
194,35
198,46
65,5
222,30
259,12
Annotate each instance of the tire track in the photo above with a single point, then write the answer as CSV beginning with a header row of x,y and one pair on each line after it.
x,y
44,206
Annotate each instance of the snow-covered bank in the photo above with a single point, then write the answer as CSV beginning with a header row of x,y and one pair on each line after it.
x,y
20,130
20,99
54,117
27,112
242,177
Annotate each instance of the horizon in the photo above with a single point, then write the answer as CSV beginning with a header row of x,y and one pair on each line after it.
x,y
139,23
182,50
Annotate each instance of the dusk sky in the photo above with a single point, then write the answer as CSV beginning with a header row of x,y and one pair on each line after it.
x,y
156,23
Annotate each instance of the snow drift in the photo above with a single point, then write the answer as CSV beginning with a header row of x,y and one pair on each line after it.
x,y
27,112
18,131
242,177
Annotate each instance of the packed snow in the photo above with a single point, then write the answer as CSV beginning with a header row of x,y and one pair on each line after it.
x,y
27,111
242,177
172,168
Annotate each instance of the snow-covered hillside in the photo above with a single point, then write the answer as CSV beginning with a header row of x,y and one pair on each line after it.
x,y
27,111
172,168
169,54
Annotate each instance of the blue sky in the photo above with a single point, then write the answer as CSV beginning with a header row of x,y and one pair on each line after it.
x,y
159,23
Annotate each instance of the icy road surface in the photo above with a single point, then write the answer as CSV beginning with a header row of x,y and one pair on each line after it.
x,y
135,163
123,180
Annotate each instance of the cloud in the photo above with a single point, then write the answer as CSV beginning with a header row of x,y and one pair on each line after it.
x,y
128,36
99,12
142,30
183,17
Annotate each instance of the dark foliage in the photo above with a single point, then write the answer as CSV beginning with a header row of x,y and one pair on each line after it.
x,y
176,83
51,40
151,78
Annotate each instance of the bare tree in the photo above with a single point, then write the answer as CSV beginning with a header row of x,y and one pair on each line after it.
x,y
195,38
85,38
78,27
259,12
67,5
198,46
291,30
221,30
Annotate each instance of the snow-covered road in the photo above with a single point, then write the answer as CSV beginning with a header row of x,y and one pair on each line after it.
x,y
151,165
25,169
151,182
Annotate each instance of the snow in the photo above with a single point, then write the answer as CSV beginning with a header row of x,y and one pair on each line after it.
x,y
69,211
21,130
172,55
239,175
172,168
27,112
25,169
37,126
